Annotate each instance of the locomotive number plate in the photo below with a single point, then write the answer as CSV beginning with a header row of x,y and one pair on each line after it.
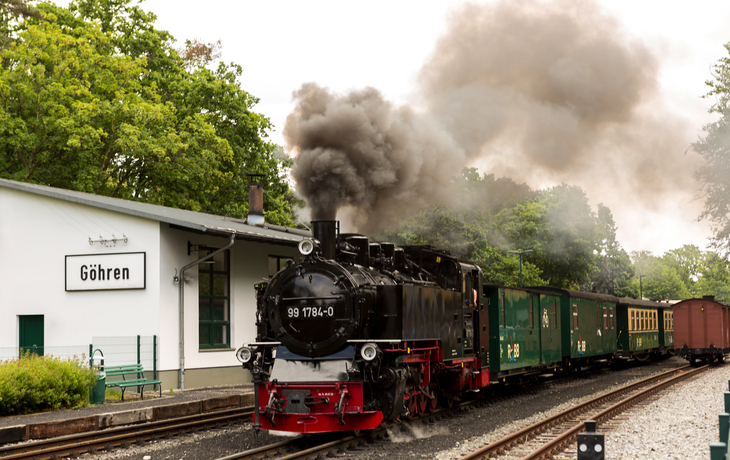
x,y
311,312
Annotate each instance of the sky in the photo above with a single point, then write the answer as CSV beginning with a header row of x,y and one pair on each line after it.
x,y
604,95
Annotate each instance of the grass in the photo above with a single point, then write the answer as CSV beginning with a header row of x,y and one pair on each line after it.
x,y
113,395
36,383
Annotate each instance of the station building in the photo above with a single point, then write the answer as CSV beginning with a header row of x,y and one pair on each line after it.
x,y
81,272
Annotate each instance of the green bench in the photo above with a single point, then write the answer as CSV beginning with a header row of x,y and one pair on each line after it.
x,y
130,377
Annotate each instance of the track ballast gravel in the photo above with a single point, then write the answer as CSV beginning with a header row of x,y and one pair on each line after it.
x,y
449,438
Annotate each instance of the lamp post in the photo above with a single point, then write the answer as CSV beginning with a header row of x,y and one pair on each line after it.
x,y
520,253
641,291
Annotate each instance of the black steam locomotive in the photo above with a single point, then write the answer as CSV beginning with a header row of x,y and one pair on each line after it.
x,y
361,332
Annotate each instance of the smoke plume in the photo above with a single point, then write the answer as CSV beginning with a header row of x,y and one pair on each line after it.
x,y
359,150
542,92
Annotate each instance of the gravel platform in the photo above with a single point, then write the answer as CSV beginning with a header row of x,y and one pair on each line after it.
x,y
448,438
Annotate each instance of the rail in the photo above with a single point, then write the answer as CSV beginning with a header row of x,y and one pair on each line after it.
x,y
77,444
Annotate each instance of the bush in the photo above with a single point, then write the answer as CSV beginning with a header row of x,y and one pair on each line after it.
x,y
35,383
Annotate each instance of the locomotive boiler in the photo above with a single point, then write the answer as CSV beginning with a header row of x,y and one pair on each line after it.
x,y
358,333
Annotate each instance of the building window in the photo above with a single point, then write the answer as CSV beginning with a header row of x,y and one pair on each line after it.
x,y
214,302
276,264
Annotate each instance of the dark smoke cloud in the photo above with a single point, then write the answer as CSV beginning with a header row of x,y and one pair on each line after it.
x,y
543,92
545,79
359,150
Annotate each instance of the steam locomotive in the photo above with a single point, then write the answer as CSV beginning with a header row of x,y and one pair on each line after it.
x,y
358,333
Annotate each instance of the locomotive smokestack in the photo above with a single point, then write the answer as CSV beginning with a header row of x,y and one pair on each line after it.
x,y
326,232
255,203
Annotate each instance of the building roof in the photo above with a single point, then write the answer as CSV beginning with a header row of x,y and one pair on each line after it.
x,y
189,220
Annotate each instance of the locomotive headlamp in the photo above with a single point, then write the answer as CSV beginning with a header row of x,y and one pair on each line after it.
x,y
306,247
244,354
369,351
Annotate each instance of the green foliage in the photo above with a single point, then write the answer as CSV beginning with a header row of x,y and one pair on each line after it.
x,y
492,216
112,394
714,147
614,270
35,383
714,278
560,227
96,99
664,283
572,246
688,262
10,12
682,273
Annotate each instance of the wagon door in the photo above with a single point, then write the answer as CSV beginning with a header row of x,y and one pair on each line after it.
x,y
550,329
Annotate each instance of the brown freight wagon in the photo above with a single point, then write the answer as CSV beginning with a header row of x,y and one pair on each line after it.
x,y
701,329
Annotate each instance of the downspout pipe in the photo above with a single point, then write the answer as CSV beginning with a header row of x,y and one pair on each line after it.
x,y
181,281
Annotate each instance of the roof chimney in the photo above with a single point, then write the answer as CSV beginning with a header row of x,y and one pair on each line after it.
x,y
255,203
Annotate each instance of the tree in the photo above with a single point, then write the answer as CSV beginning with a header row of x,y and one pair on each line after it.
x,y
614,270
658,277
107,106
663,283
687,261
560,227
197,53
10,12
465,228
714,147
714,278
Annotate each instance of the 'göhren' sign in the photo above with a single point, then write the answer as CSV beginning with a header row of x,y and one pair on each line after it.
x,y
106,271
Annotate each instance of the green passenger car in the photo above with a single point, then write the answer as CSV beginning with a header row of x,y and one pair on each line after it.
x,y
639,327
590,319
524,331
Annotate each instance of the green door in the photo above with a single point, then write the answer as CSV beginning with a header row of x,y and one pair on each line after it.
x,y
550,329
31,334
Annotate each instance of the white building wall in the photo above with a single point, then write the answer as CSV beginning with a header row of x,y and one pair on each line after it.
x,y
249,264
36,233
173,256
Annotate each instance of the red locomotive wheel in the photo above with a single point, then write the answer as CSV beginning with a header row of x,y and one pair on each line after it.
x,y
433,403
412,406
422,403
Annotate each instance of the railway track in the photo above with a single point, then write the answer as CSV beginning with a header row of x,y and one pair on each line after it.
x,y
297,449
106,440
556,434
522,444
76,444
